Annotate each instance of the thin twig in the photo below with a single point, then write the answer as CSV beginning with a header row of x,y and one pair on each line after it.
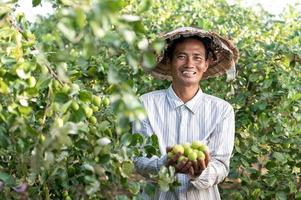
x,y
46,109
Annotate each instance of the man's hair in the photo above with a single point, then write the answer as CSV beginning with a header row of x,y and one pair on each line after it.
x,y
171,48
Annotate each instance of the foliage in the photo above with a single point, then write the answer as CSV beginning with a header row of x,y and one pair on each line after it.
x,y
65,109
69,86
166,179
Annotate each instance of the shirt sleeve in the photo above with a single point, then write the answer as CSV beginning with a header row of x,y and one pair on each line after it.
x,y
220,146
144,165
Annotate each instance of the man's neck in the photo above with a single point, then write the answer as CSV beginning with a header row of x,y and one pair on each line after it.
x,y
185,93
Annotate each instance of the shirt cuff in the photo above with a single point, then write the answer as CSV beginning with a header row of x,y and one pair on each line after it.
x,y
201,181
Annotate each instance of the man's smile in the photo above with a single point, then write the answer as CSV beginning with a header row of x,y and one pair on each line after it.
x,y
187,72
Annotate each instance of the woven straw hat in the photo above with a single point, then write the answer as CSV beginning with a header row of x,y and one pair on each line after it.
x,y
224,54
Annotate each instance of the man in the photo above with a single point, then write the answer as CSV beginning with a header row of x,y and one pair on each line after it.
x,y
183,113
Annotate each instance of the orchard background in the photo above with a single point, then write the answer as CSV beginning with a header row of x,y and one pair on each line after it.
x,y
69,85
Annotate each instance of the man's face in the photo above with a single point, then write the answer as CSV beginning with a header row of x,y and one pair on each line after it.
x,y
188,62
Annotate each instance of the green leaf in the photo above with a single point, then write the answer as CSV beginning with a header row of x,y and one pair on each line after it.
x,y
144,5
104,158
256,193
139,27
154,141
104,124
7,179
150,189
43,82
61,97
8,60
164,186
113,76
271,181
281,196
271,164
85,96
36,3
150,150
149,60
137,139
126,139
25,110
80,18
134,188
79,116
68,32
298,196
158,45
296,96
83,144
88,167
280,157
253,77
3,87
255,149
127,169
122,197
292,186
133,62
21,73
4,138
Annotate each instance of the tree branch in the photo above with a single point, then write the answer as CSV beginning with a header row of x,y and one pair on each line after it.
x,y
44,61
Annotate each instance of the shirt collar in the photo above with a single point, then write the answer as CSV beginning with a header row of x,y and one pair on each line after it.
x,y
175,101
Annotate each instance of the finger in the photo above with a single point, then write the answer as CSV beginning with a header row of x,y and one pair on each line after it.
x,y
180,166
207,157
168,149
202,164
173,161
176,157
191,171
195,167
185,168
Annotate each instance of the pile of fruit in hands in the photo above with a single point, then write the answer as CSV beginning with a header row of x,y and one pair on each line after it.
x,y
188,158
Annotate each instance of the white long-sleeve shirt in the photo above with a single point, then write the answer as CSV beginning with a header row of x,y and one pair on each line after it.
x,y
205,118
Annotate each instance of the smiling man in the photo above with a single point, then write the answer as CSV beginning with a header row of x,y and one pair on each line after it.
x,y
188,64
183,113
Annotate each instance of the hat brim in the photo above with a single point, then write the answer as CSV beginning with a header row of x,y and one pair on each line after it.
x,y
225,54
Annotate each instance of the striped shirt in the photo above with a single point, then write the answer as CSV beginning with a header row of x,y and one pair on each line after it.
x,y
205,118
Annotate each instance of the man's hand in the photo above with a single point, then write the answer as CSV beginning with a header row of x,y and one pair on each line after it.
x,y
185,166
180,166
199,165
173,160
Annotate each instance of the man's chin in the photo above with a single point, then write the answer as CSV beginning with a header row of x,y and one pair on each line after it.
x,y
190,82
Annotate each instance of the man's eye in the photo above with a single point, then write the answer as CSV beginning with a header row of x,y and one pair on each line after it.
x,y
199,58
181,56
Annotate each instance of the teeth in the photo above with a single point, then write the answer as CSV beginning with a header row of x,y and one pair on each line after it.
x,y
188,72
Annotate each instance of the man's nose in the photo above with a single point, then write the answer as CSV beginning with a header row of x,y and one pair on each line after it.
x,y
190,62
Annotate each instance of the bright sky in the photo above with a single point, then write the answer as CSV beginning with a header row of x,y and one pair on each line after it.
x,y
273,6
31,13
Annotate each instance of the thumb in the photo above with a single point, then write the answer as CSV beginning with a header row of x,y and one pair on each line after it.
x,y
168,149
